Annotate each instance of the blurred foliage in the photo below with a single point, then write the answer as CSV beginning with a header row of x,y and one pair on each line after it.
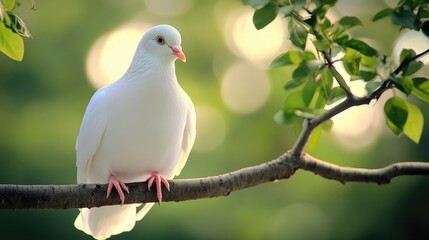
x,y
42,101
12,29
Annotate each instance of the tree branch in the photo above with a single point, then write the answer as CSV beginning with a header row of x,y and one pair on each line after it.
x,y
94,195
350,174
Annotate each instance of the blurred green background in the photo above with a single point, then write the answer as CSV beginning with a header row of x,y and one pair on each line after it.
x,y
42,101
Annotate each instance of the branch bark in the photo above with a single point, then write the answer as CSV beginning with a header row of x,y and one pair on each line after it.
x,y
349,174
283,167
94,195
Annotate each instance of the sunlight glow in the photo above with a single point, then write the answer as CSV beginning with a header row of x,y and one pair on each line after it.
x,y
111,55
245,88
210,129
258,46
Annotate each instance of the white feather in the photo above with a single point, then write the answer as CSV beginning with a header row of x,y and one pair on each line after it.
x,y
142,123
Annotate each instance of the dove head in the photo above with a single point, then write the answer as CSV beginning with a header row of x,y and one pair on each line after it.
x,y
162,42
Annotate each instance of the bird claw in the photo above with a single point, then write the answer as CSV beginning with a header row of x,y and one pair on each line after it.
x,y
159,180
119,186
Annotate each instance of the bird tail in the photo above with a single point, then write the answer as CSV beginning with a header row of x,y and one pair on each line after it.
x,y
143,211
106,221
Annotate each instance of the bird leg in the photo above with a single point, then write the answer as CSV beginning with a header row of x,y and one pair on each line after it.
x,y
119,186
155,177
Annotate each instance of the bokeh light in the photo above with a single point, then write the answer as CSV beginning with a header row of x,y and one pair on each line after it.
x,y
258,46
360,126
245,88
357,127
169,8
111,55
210,128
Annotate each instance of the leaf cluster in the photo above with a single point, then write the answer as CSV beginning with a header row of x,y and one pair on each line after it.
x,y
318,43
12,29
410,14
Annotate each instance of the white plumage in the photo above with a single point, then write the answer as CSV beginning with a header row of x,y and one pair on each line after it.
x,y
142,125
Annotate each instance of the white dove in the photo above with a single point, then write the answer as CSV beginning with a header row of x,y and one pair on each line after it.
x,y
142,127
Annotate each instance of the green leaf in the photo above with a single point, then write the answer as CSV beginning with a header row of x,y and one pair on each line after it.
x,y
298,36
309,55
8,5
321,45
404,84
19,26
327,81
383,13
421,88
371,87
396,113
313,96
341,38
369,63
368,68
325,25
322,7
287,58
351,62
361,47
291,58
425,28
327,125
314,138
325,3
349,22
414,125
256,3
280,118
340,79
309,92
405,17
423,13
402,2
305,71
11,43
264,16
292,102
292,85
412,68
337,93
367,76
406,53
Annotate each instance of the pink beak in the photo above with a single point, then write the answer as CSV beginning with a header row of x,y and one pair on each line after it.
x,y
177,50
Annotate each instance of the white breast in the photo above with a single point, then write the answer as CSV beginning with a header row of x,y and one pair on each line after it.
x,y
144,132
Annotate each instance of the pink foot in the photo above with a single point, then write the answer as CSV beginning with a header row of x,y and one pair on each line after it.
x,y
119,186
158,180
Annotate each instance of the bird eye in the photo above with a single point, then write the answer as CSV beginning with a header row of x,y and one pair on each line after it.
x,y
160,40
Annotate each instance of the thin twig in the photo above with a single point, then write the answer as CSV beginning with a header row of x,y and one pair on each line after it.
x,y
349,174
